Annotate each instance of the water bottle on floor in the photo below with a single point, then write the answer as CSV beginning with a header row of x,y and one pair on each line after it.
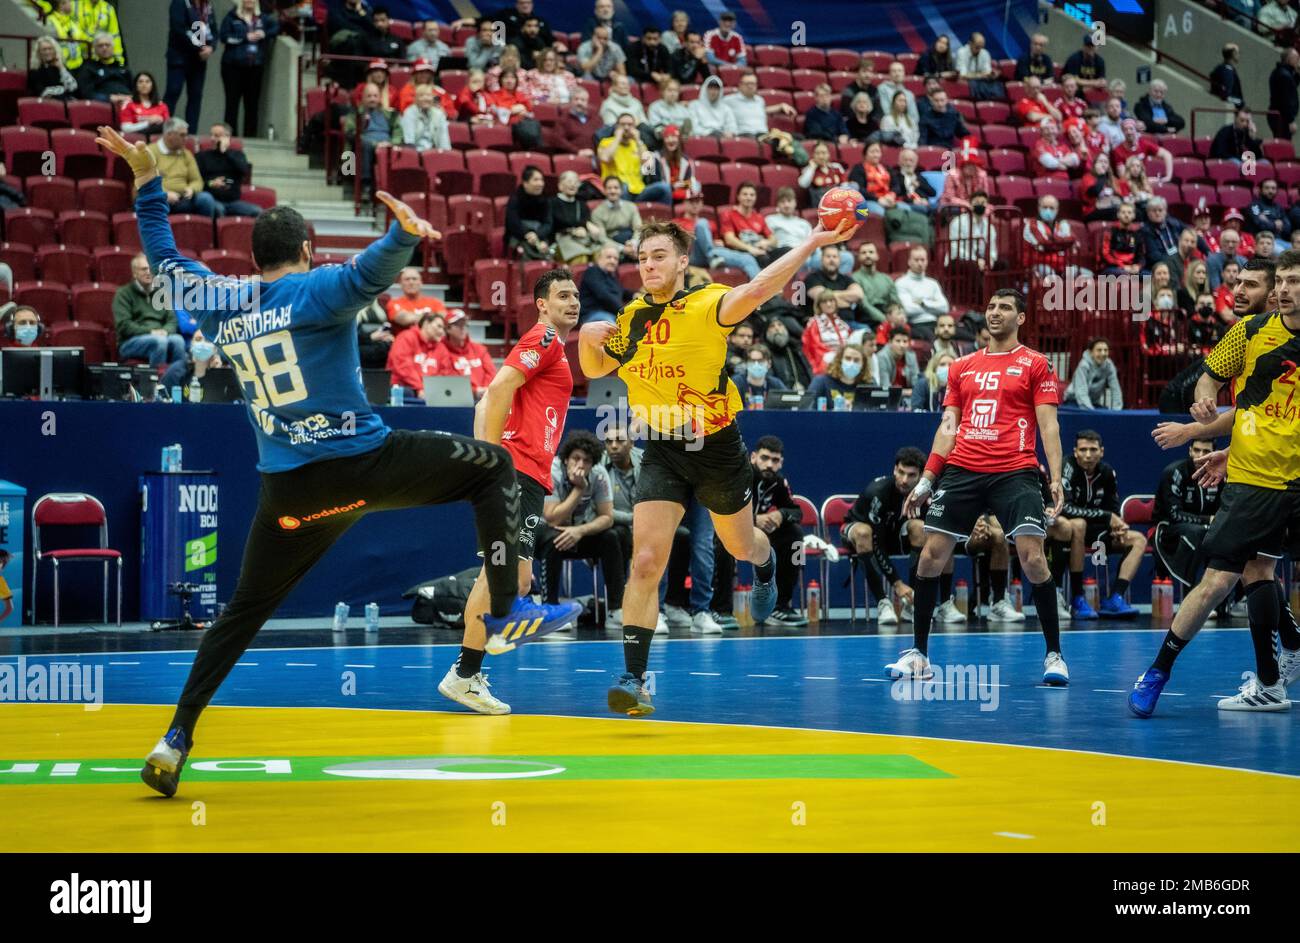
x,y
341,617
814,603
1017,593
372,617
1091,593
963,597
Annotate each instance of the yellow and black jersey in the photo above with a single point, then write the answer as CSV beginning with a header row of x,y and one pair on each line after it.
x,y
1259,354
673,358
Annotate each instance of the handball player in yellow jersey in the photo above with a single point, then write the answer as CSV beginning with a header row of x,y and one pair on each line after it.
x,y
669,345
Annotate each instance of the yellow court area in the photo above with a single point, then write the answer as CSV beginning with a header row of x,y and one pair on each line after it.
x,y
295,779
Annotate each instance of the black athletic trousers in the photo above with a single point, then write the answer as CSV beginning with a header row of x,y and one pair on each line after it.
x,y
303,512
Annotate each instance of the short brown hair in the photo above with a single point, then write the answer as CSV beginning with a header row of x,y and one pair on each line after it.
x,y
680,238
1288,259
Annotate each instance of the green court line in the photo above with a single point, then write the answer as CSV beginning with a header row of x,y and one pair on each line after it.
x,y
447,768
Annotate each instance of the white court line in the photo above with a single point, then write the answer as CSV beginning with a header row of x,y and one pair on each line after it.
x,y
417,666
762,676
532,669
706,674
300,664
1012,835
590,671
124,663
1109,691
358,666
187,663
245,664
877,680
817,678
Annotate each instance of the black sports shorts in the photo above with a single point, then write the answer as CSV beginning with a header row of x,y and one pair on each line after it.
x,y
715,470
960,496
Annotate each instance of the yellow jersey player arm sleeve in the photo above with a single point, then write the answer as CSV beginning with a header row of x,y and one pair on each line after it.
x,y
5,591
1228,358
712,295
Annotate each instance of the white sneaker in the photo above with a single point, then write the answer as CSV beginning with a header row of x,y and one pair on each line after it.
x,y
911,664
1054,670
614,619
678,618
1288,667
885,614
704,623
949,613
906,614
472,692
1005,611
1254,696
661,627
1062,607
1238,610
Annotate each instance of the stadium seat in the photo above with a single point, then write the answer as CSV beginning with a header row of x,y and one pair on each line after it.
x,y
496,284
842,60
1202,145
458,134
742,150
112,264
562,163
930,157
703,149
1193,193
767,55
1288,173
999,136
834,511
840,81
265,197
520,159
1188,169
806,79
471,210
1175,145
773,77
487,161
85,228
1005,161
76,154
1279,149
1050,186
1237,198
496,183
103,195
730,75
92,303
226,262
780,175
47,113
90,115
492,137
1011,189
806,58
31,226
803,101
991,112
93,338
21,259
193,232
24,150
49,298
235,234
435,161
56,194
58,262
13,86
1222,171
451,183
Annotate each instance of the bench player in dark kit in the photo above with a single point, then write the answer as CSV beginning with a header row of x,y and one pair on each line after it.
x,y
325,458
984,459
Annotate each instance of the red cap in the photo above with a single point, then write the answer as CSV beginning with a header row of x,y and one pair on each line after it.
x,y
377,64
455,315
422,65
672,129
969,152
1234,214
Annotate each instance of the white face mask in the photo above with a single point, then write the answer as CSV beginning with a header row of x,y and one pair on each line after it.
x,y
942,375
850,369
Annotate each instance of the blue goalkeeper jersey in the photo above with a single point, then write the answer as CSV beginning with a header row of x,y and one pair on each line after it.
x,y
292,342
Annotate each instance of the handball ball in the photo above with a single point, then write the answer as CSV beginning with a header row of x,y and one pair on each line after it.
x,y
840,204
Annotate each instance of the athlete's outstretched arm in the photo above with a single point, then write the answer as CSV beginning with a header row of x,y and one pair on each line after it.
x,y
591,348
744,300
1050,429
1170,435
492,411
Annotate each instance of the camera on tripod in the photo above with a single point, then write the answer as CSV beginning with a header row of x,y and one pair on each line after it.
x,y
185,591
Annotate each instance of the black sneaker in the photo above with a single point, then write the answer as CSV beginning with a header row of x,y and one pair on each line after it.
x,y
786,617
162,768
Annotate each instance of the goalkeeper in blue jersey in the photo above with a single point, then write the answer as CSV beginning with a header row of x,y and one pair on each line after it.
x,y
325,457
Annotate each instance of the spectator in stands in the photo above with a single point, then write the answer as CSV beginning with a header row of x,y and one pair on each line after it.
x,y
1133,174
1225,80
1247,8
600,56
896,363
967,177
377,75
878,289
674,167
1156,115
550,83
1118,89
1205,328
822,174
895,316
143,113
100,16
941,126
897,126
529,227
1051,157
851,369
1123,246
938,60
474,102
603,16
1266,247
1112,123
575,130
464,356
383,43
375,126
756,377
1234,221
872,179
622,155
47,76
690,63
617,216
224,169
1283,98
1049,239
248,36
862,122
430,46
648,60
1036,62
679,26
529,41
1095,138
72,38
725,46
922,298
1034,107
912,189
189,46
738,344
945,339
744,229
577,238
887,89
1096,381
1195,280
481,50
103,77
418,353
422,76
1229,242
707,250
975,65
1086,65
863,83
180,172
412,304
669,109
1162,277
789,229
512,108
824,333
20,326
202,358
516,20
350,27
970,236
1071,104
932,385
1160,333
1276,15
601,294
510,59
830,277
1161,231
821,121
788,362
1074,132
1265,213
751,110
710,114
424,124
620,101
1098,191
1138,145
143,330
1223,295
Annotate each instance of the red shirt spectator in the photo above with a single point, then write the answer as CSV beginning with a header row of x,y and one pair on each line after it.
x,y
133,113
824,334
1030,112
504,102
444,98
1144,146
1053,158
726,49
732,220
424,304
415,355
1071,107
465,357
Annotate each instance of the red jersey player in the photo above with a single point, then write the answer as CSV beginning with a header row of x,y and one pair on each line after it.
x,y
523,410
999,399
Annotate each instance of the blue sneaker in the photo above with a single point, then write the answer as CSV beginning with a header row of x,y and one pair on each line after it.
x,y
628,696
1114,606
762,601
1146,691
162,767
527,622
1081,610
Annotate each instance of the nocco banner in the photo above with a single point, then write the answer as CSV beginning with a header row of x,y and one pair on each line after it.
x,y
178,523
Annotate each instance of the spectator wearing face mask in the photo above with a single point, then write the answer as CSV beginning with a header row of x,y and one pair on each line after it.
x,y
203,357
1096,381
788,362
851,370
825,332
932,385
21,327
970,236
755,377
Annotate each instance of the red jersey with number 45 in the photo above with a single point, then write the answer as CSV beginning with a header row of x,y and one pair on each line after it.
x,y
536,420
997,394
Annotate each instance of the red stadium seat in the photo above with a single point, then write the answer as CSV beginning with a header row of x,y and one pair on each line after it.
x,y
47,113
803,101
1279,149
458,135
967,110
767,55
92,303
103,196
1202,145
472,211
1011,188
496,183
930,157
1178,147
451,183
742,150
1005,161
730,75
1193,193
434,161
21,259
702,148
993,112
780,175
24,150
521,159
1222,171
90,115
265,197
484,161
85,228
494,137
56,194
806,79
1049,186
495,286
112,264
235,234
13,86
225,262
1288,173
193,232
561,163
31,226
999,136
773,77
50,299
842,60
842,80
1237,198
804,57
92,337
1188,169
707,172
62,263
77,155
